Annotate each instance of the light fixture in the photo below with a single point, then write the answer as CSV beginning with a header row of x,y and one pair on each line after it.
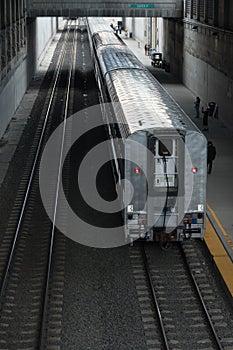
x,y
194,27
194,170
137,170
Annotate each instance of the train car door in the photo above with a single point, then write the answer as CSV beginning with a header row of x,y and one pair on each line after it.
x,y
166,181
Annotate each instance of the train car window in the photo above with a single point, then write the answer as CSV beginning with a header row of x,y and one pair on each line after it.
x,y
152,144
165,147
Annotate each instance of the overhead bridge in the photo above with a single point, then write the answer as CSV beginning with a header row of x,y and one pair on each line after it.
x,y
100,8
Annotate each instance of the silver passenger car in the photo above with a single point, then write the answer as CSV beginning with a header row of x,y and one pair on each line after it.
x,y
164,168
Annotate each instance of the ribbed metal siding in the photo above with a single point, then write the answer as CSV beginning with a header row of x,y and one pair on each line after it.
x,y
195,9
210,10
188,8
202,8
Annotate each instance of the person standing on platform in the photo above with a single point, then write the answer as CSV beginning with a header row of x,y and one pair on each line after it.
x,y
197,106
211,154
148,49
205,112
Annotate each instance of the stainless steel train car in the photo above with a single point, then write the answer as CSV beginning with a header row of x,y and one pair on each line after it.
x,y
164,153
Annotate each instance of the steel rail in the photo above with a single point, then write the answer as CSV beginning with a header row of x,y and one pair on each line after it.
x,y
156,304
197,289
42,335
29,185
206,312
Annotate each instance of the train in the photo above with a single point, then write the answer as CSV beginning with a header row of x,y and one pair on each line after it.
x,y
161,161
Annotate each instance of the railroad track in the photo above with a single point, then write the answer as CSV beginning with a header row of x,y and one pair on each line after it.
x,y
31,293
177,303
31,315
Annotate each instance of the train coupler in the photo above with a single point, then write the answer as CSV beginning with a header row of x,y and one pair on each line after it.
x,y
165,239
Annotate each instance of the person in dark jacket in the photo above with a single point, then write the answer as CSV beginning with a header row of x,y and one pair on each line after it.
x,y
205,112
211,154
197,106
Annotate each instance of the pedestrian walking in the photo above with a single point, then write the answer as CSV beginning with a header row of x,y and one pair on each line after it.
x,y
146,49
211,154
205,112
197,106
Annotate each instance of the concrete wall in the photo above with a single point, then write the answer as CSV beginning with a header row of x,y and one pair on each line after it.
x,y
45,30
11,95
135,27
160,34
39,33
143,30
203,62
140,30
13,86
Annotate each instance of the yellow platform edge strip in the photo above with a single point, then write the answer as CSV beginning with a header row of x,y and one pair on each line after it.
x,y
220,256
220,225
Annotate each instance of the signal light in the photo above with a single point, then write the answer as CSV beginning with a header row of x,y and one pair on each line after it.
x,y
194,170
137,170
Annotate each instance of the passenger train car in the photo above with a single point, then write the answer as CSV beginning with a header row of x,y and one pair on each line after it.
x,y
164,166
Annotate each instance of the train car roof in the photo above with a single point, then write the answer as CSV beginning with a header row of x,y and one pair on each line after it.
x,y
145,103
122,58
98,25
106,38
